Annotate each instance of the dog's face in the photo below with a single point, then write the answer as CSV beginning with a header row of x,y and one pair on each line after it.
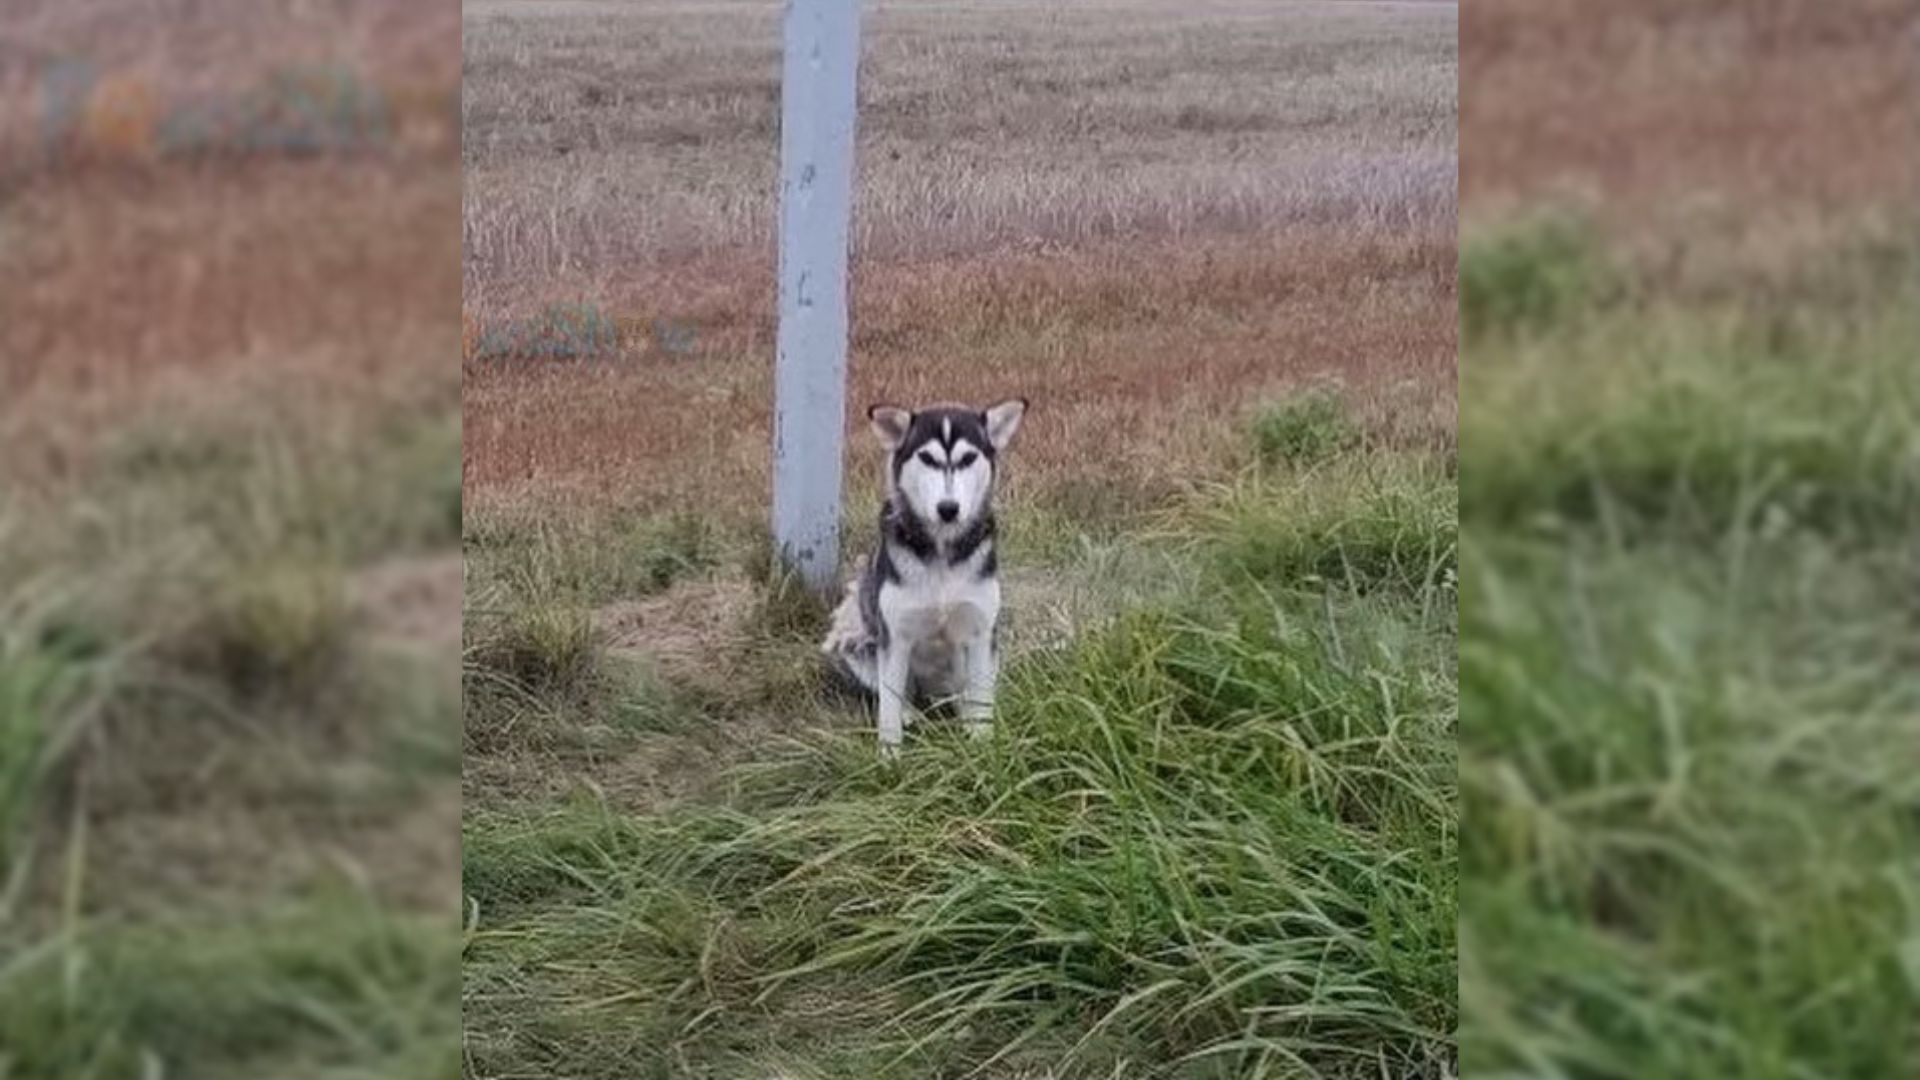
x,y
944,458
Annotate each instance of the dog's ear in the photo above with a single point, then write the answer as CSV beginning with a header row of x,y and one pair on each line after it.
x,y
890,424
1003,420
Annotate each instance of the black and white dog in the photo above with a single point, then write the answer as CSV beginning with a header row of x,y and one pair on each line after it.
x,y
918,623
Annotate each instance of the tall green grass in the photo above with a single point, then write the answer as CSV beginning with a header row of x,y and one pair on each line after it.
x,y
49,683
1689,693
1213,836
1362,523
1227,849
323,989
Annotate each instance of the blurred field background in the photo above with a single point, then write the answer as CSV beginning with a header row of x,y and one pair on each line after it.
x,y
1214,244
1691,489
229,506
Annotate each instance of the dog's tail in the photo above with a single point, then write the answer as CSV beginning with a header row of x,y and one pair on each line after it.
x,y
848,645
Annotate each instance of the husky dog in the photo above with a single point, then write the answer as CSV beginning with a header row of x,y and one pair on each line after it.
x,y
920,619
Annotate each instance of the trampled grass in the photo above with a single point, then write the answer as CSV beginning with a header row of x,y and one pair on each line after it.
x,y
1689,690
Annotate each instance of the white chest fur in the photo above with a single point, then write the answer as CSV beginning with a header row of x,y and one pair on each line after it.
x,y
940,601
940,614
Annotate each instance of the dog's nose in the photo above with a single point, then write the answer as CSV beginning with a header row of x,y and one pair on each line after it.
x,y
948,510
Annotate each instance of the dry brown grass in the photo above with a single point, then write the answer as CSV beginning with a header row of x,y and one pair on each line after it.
x,y
158,53
1144,218
129,275
1661,109
1140,376
1766,152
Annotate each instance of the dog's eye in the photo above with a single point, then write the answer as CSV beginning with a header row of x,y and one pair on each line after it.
x,y
927,460
966,459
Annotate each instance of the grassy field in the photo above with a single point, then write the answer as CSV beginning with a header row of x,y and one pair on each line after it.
x,y
1144,236
1216,832
229,509
1690,494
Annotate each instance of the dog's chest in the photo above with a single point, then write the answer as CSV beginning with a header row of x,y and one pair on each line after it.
x,y
939,604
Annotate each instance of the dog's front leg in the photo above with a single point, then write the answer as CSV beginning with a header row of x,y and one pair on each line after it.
x,y
981,674
894,672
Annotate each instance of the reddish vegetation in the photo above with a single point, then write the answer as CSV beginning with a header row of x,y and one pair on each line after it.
x,y
1140,358
132,274
124,275
1644,102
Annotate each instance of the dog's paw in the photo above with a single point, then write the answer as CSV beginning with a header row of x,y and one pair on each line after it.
x,y
980,729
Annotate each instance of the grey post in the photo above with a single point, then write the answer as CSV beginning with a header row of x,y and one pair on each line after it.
x,y
810,371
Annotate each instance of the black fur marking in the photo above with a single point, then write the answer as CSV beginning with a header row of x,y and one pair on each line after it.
x,y
882,571
964,545
840,684
991,565
935,425
901,526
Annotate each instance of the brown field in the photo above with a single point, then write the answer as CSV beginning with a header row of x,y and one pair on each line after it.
x,y
1677,123
1785,101
134,276
1144,218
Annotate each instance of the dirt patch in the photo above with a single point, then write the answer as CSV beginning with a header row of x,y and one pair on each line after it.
x,y
688,634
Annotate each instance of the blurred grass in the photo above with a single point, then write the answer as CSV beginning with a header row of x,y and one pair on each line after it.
x,y
201,714
1689,686
328,988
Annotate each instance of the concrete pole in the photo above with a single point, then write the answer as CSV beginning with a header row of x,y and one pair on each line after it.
x,y
810,370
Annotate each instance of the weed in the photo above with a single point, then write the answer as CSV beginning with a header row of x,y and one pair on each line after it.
x,y
1528,274
1305,429
1387,522
278,625
545,646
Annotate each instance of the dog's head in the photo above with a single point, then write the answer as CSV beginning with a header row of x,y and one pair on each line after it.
x,y
945,457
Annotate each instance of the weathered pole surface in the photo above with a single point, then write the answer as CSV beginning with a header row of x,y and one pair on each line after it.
x,y
816,196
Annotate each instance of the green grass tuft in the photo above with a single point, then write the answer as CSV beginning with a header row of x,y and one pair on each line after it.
x,y
322,990
275,626
543,646
47,683
1304,430
1364,524
1531,273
